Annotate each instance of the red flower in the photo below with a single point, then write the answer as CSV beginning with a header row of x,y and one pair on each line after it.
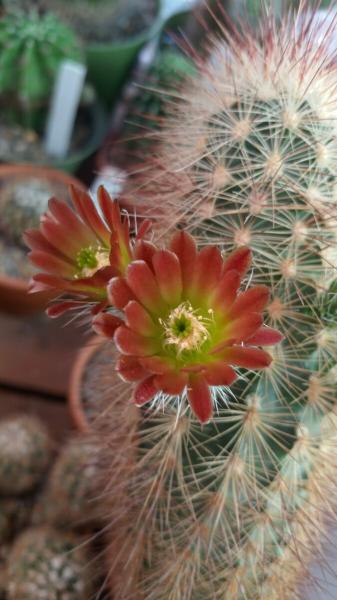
x,y
79,252
186,323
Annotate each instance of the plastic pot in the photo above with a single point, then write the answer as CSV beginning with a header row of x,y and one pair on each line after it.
x,y
81,362
14,297
109,63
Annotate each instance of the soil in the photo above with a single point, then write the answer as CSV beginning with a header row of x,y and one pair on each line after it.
x,y
105,20
26,146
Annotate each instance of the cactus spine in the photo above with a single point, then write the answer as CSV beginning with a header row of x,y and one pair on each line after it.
x,y
233,509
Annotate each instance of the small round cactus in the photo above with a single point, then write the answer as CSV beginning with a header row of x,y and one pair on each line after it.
x,y
14,516
48,565
70,496
32,47
23,203
25,454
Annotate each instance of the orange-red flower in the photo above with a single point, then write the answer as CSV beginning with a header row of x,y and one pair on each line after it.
x,y
80,250
186,324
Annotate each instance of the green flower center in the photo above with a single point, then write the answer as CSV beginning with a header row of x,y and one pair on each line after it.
x,y
185,329
90,259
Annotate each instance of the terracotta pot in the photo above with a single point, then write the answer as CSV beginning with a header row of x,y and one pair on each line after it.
x,y
75,403
14,297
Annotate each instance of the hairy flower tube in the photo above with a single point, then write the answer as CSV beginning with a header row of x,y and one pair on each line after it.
x,y
79,250
186,325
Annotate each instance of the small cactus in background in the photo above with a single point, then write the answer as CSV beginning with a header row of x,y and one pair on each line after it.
x,y
25,454
14,516
70,495
48,565
22,206
160,89
32,48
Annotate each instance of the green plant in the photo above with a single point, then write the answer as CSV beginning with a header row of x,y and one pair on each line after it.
x,y
69,499
48,565
25,454
234,509
32,48
160,89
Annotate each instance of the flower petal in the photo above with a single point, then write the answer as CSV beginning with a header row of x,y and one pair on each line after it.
x,y
199,396
62,239
219,373
155,364
226,292
144,228
250,358
106,324
119,293
34,239
253,300
239,261
145,391
88,213
184,246
144,250
59,308
207,273
43,281
244,327
142,282
172,383
131,343
69,221
265,336
51,263
168,274
138,319
129,369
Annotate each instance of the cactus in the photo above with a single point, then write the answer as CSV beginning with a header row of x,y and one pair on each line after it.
x,y
165,77
14,516
234,509
48,565
23,203
25,454
70,495
32,48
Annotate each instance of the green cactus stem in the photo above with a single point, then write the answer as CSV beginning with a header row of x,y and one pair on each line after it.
x,y
32,48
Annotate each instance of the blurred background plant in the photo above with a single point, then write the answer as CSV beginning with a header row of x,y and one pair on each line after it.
x,y
32,48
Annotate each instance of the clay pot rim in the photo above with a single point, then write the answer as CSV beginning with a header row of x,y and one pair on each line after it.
x,y
21,171
74,395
